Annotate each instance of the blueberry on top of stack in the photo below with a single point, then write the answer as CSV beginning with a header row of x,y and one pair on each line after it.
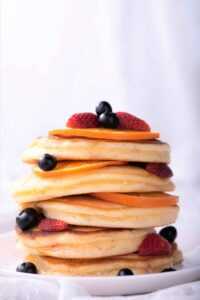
x,y
97,191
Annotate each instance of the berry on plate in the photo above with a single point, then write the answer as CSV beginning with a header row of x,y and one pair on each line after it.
x,y
28,218
83,120
52,225
103,107
27,267
125,272
108,120
169,233
131,122
47,163
153,245
168,270
159,169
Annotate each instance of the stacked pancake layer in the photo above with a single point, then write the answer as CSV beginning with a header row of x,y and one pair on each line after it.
x,y
108,199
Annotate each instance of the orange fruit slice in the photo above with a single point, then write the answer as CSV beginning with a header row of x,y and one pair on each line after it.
x,y
105,134
139,200
72,167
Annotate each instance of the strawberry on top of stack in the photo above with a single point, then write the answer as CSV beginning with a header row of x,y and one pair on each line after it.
x,y
97,190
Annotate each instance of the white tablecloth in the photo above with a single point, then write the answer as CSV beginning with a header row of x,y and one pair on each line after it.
x,y
13,288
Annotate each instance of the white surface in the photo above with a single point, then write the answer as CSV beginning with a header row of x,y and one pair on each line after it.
x,y
110,286
22,288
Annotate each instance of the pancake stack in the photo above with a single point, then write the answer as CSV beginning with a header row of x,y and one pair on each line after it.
x,y
95,195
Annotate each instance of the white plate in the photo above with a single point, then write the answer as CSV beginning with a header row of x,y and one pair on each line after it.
x,y
106,286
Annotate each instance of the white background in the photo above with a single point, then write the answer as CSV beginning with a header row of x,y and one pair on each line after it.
x,y
63,56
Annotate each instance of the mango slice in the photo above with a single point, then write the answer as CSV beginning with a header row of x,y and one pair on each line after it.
x,y
139,200
105,134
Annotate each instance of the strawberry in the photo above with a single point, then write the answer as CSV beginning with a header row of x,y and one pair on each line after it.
x,y
131,122
159,169
52,225
154,244
83,120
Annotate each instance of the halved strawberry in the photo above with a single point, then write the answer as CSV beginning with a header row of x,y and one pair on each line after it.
x,y
52,225
153,245
131,122
159,169
83,120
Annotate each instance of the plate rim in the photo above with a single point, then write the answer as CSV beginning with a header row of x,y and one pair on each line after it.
x,y
109,285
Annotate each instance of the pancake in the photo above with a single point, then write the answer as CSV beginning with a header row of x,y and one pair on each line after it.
x,y
91,149
79,242
89,211
122,179
105,266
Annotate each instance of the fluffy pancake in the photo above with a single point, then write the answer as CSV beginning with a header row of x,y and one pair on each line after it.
x,y
91,149
105,266
80,242
89,211
122,179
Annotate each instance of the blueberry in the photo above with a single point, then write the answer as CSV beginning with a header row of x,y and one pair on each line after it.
x,y
28,218
125,272
168,270
169,233
103,107
109,120
27,267
47,163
